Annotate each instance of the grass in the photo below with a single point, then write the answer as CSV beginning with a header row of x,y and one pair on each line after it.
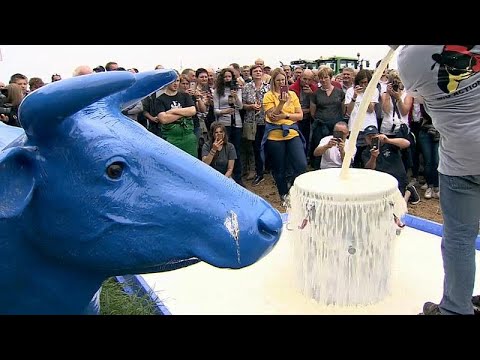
x,y
115,301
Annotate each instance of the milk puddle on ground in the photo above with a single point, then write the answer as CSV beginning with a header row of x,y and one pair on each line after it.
x,y
268,286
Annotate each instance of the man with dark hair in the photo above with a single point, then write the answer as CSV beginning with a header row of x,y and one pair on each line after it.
x,y
56,77
35,83
111,66
99,68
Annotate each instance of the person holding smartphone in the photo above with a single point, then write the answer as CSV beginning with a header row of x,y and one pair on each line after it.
x,y
383,154
218,152
353,99
227,100
332,147
282,139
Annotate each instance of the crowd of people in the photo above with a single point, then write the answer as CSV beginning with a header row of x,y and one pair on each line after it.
x,y
244,121
286,120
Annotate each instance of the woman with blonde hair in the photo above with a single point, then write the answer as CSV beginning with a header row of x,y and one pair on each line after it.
x,y
283,140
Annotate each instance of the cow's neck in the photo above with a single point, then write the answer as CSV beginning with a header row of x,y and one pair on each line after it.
x,y
34,284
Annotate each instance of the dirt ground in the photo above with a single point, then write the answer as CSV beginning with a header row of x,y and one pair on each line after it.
x,y
427,209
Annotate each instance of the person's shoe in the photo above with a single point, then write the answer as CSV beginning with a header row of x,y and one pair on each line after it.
x,y
476,304
251,175
413,181
428,193
414,197
436,193
424,186
258,180
430,308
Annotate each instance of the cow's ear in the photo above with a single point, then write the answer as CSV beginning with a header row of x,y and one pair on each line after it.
x,y
16,180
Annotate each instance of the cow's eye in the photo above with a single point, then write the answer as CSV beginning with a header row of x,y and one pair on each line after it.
x,y
115,170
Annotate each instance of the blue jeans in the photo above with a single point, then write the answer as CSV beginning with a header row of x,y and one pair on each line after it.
x,y
460,202
430,157
259,166
284,155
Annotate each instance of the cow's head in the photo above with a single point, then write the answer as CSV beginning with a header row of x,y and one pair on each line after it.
x,y
98,191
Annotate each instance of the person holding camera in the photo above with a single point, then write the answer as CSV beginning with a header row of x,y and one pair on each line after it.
x,y
332,147
396,105
252,97
353,99
446,78
10,99
227,102
383,154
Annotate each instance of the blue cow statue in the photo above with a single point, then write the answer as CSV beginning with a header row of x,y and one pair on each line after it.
x,y
86,194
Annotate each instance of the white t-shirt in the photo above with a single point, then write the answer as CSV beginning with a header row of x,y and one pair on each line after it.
x,y
391,118
332,158
451,95
370,118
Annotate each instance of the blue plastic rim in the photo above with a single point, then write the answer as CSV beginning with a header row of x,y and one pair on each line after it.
x,y
414,222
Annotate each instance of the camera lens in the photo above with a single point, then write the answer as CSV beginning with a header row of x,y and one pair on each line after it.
x,y
5,111
231,100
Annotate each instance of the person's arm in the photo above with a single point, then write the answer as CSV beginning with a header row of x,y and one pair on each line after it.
x,y
386,104
167,117
297,115
371,107
402,143
183,112
147,111
341,149
323,147
207,159
372,162
200,104
238,98
216,107
405,105
351,98
230,165
275,112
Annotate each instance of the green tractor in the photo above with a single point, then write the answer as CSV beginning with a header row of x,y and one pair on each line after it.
x,y
336,63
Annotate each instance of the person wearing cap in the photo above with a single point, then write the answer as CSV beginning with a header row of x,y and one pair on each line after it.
x,y
383,154
446,79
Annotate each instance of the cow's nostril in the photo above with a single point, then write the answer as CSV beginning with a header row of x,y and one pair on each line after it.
x,y
270,223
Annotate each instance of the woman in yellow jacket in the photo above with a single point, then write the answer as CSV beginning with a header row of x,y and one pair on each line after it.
x,y
283,140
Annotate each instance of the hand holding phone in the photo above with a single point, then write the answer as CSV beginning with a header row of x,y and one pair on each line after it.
x,y
283,92
193,85
376,143
338,134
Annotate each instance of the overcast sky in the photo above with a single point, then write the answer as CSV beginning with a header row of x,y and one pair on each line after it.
x,y
44,60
